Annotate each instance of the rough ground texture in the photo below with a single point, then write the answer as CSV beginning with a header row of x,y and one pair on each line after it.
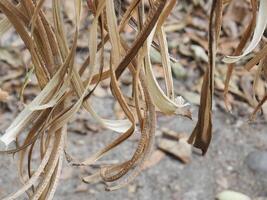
x,y
222,168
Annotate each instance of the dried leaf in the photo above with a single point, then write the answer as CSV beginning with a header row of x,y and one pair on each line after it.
x,y
180,149
202,133
258,33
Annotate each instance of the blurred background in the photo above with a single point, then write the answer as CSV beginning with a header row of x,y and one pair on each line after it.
x,y
237,158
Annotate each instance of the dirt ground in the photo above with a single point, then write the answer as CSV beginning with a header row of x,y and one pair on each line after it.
x,y
223,167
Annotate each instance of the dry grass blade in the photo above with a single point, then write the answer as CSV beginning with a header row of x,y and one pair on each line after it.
x,y
60,81
258,33
202,133
258,25
66,85
238,50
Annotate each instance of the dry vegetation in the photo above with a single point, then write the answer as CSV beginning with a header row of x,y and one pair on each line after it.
x,y
66,86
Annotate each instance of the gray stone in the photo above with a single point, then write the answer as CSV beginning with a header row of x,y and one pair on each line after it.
x,y
257,161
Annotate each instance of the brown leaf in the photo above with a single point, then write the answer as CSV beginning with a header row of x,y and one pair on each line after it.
x,y
180,149
202,133
172,134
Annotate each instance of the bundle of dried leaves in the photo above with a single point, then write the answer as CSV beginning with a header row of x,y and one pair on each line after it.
x,y
66,86
202,133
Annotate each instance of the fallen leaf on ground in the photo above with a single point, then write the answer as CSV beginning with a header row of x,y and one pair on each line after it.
x,y
172,134
92,127
180,149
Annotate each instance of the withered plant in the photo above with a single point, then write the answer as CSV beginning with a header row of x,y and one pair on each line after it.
x,y
65,88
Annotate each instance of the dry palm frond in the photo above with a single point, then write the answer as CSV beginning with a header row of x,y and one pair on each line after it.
x,y
238,50
202,133
255,28
43,122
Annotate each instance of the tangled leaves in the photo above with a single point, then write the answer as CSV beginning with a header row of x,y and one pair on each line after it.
x,y
45,119
202,132
255,28
43,123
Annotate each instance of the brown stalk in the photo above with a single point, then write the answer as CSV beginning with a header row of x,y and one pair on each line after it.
x,y
202,133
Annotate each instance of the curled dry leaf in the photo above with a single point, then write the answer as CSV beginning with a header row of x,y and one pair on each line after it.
x,y
66,86
202,133
256,27
62,80
258,33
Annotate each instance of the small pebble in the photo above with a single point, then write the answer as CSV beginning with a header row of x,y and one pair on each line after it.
x,y
231,195
257,161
